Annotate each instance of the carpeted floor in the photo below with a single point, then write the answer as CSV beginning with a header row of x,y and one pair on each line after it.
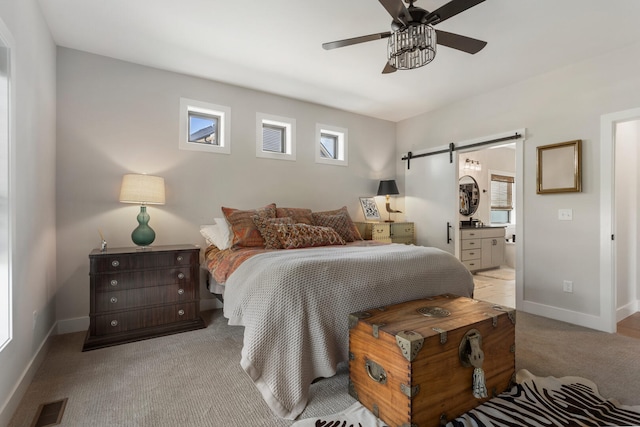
x,y
195,378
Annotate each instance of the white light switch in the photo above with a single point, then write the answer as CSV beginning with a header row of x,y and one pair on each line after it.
x,y
565,214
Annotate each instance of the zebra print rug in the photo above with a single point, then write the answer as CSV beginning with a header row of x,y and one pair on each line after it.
x,y
532,402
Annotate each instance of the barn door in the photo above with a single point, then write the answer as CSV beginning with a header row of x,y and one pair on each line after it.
x,y
431,200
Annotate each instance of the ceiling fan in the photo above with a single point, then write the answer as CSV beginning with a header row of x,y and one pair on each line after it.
x,y
412,39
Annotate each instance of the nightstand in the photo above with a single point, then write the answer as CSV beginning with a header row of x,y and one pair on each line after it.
x,y
138,294
389,232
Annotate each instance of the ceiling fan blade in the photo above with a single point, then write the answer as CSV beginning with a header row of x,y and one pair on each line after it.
x,y
355,40
456,41
388,68
397,10
449,10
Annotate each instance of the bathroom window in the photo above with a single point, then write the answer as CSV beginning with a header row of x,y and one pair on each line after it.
x,y
502,196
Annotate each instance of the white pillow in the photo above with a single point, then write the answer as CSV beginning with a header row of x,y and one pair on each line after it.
x,y
217,234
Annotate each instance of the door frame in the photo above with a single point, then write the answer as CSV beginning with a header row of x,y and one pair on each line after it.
x,y
608,282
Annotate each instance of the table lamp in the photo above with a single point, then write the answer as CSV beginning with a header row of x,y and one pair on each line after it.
x,y
145,190
387,188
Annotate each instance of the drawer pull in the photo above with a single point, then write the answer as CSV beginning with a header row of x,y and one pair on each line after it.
x,y
472,243
114,282
181,312
180,275
114,323
113,300
115,263
180,258
375,371
180,291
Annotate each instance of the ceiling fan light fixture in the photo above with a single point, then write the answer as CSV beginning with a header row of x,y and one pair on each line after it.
x,y
412,46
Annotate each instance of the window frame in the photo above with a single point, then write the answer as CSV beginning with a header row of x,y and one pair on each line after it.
x,y
222,112
289,124
342,148
512,210
6,289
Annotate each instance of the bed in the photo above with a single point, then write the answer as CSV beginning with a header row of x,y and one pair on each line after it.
x,y
294,303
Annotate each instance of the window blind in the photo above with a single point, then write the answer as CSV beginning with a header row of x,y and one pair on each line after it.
x,y
501,192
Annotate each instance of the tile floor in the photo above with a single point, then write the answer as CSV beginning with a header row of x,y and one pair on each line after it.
x,y
499,289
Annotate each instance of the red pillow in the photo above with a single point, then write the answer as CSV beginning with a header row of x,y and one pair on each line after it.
x,y
245,232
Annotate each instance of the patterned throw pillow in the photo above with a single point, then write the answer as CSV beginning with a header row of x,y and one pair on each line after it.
x,y
294,236
298,215
245,232
340,221
268,231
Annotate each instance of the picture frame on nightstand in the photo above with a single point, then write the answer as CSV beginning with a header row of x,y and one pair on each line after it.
x,y
370,209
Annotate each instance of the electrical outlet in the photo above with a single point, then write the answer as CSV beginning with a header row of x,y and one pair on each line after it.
x,y
567,286
35,318
565,214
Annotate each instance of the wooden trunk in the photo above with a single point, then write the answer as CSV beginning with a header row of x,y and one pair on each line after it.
x,y
410,362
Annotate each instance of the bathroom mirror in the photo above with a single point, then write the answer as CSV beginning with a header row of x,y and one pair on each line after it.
x,y
469,195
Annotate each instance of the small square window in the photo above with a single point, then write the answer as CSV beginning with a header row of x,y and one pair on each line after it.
x,y
204,127
328,146
331,145
275,137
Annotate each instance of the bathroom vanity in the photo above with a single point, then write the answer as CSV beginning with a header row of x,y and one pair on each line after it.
x,y
482,248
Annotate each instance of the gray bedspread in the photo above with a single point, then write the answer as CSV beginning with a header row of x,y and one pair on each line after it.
x,y
294,305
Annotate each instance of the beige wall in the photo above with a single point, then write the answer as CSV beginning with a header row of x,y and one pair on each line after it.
x,y
115,117
34,252
559,106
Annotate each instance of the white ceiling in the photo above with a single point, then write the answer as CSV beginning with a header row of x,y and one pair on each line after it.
x,y
275,45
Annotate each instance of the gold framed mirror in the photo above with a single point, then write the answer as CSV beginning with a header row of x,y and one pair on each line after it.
x,y
559,168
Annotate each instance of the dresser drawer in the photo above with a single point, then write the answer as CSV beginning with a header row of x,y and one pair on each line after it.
x,y
380,231
493,232
131,320
402,230
144,278
473,264
119,300
110,263
470,254
471,244
472,233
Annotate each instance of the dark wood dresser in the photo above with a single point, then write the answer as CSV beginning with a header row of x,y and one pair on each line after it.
x,y
138,294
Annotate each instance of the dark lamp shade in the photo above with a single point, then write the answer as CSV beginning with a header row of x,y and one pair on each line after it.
x,y
388,187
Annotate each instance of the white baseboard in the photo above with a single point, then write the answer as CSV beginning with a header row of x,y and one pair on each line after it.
x,y
68,326
563,315
627,310
19,390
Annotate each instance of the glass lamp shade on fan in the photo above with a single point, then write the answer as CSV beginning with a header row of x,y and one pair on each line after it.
x,y
145,190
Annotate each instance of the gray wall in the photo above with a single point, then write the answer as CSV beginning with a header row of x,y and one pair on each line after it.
x,y
559,106
34,253
115,117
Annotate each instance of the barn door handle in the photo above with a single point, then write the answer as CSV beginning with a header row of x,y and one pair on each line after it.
x,y
449,227
375,372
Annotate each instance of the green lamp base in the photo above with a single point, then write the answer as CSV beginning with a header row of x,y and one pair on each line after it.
x,y
143,235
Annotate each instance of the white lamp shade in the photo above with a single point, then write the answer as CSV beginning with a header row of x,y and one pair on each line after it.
x,y
142,189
